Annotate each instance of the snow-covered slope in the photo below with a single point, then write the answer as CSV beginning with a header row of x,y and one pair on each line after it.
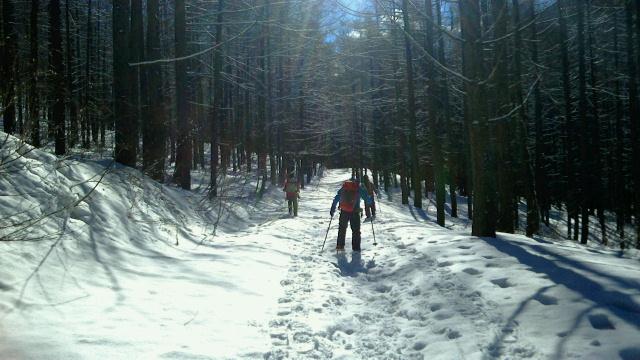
x,y
109,281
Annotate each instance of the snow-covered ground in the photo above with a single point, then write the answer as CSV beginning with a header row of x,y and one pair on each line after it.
x,y
139,270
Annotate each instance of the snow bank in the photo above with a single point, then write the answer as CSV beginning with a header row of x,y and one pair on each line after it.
x,y
99,261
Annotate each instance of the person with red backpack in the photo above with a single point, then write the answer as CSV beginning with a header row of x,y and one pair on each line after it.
x,y
292,190
349,197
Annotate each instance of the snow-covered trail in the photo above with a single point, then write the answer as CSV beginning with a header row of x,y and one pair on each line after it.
x,y
115,284
428,292
389,302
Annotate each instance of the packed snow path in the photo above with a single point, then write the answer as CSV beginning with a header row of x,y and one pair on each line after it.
x,y
115,285
427,292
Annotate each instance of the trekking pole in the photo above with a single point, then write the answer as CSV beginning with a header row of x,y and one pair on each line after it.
x,y
374,233
327,234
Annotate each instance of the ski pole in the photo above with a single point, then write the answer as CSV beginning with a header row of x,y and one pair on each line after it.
x,y
327,234
374,233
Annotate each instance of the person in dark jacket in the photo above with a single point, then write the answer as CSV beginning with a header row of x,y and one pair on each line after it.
x,y
370,209
348,198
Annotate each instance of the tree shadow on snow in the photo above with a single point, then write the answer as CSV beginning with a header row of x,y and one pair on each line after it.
x,y
418,213
621,304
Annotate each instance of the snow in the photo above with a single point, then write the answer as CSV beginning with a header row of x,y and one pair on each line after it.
x,y
143,270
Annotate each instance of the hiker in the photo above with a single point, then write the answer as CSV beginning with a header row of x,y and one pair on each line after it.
x,y
370,209
292,190
349,197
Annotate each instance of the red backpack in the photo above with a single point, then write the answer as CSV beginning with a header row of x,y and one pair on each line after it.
x,y
348,195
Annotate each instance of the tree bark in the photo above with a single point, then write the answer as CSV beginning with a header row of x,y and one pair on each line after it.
x,y
182,174
411,109
56,69
125,145
483,212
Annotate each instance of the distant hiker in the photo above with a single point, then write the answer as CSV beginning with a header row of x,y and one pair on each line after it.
x,y
292,190
370,209
349,197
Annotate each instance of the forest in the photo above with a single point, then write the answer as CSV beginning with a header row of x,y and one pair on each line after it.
x,y
511,104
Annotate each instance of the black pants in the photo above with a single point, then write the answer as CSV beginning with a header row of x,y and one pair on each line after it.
x,y
354,218
370,210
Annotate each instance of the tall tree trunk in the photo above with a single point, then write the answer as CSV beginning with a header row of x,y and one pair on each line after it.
x,y
8,63
125,141
411,109
569,175
72,135
593,168
533,219
539,176
436,117
447,118
56,69
154,125
217,101
88,112
483,212
136,73
585,191
33,126
634,115
182,174
504,128
619,183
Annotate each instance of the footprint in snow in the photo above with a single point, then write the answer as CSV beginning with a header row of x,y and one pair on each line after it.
x,y
601,322
472,271
453,334
419,345
502,282
444,315
445,264
464,247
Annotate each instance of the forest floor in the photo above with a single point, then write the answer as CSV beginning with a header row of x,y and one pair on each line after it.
x,y
142,270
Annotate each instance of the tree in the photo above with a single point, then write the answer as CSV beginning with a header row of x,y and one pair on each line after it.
x,y
217,101
503,120
436,115
125,126
56,69
182,174
411,109
8,66
154,124
483,212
